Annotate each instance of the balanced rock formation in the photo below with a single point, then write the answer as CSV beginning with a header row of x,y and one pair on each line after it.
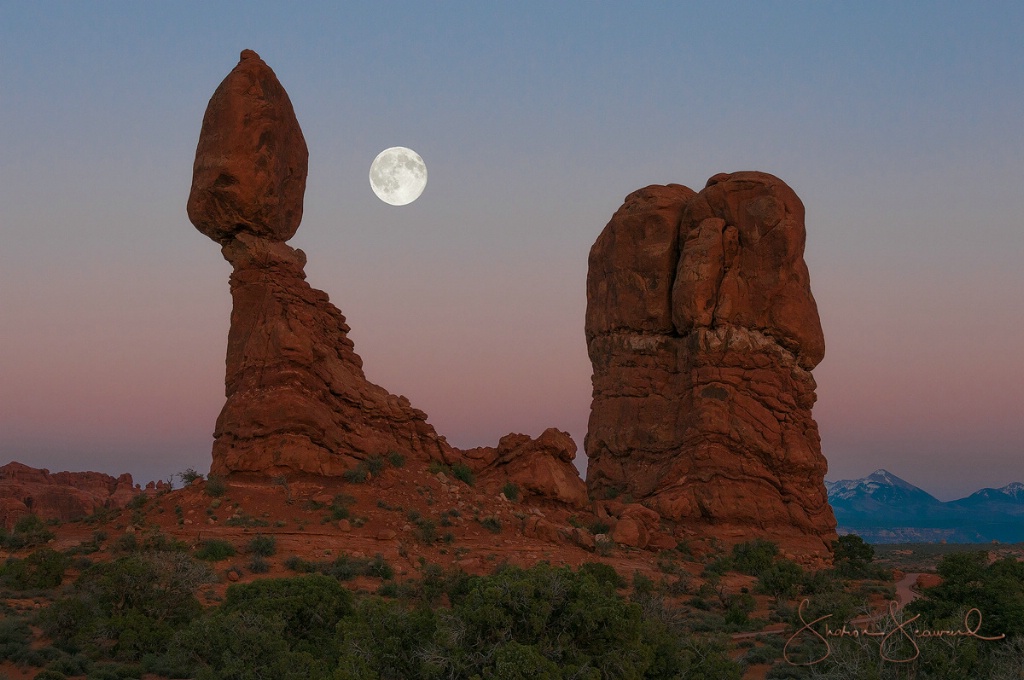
x,y
297,398
702,331
65,496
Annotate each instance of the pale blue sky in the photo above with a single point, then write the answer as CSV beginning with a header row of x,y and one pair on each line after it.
x,y
898,124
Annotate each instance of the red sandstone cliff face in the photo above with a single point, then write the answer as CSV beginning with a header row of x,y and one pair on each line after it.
x,y
297,398
702,331
65,496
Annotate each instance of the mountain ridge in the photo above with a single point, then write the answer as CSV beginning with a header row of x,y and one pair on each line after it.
x,y
884,508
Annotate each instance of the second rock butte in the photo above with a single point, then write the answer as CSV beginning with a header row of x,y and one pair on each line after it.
x,y
702,331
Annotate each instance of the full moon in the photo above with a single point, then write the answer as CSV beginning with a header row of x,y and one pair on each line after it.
x,y
398,175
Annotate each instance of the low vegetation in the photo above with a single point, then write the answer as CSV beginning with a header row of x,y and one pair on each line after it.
x,y
138,613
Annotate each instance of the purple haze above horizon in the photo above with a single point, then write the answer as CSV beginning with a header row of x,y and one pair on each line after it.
x,y
898,125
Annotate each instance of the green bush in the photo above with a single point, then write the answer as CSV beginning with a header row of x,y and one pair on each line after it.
x,y
127,608
43,569
511,491
357,474
188,476
754,557
426,531
396,459
258,565
297,564
28,531
214,550
340,506
718,566
852,547
604,574
375,464
216,486
492,524
463,473
262,546
969,581
780,579
239,645
310,607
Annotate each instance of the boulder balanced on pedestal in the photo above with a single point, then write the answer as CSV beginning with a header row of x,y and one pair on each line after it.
x,y
297,399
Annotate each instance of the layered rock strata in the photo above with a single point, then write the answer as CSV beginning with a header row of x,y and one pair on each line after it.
x,y
63,496
297,398
702,331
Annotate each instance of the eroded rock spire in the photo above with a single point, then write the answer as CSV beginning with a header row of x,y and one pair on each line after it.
x,y
297,398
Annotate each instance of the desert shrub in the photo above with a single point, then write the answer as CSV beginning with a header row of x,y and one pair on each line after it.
x,y
599,527
718,566
216,486
340,506
604,546
262,546
385,639
126,543
853,557
754,557
463,473
153,542
550,618
188,476
246,520
378,567
396,459
346,567
426,531
492,524
780,579
258,565
237,646
852,547
357,474
969,581
66,665
28,531
15,639
738,609
511,491
297,564
214,550
43,569
375,464
605,574
127,608
307,607
643,588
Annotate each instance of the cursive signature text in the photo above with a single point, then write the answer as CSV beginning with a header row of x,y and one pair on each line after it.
x,y
888,639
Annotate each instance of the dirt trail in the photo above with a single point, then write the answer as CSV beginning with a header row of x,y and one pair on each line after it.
x,y
905,593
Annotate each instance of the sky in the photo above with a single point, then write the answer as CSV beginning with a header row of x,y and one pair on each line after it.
x,y
898,124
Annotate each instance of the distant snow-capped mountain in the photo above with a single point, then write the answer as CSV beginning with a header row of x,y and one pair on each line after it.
x,y
1008,499
882,508
881,492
